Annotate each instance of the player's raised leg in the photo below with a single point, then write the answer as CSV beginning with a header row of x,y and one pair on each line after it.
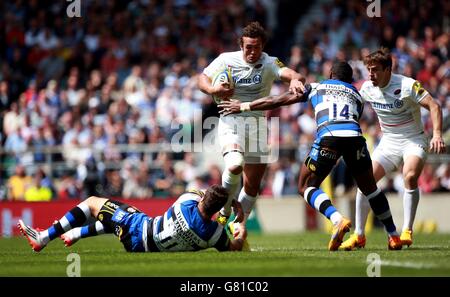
x,y
231,178
76,217
309,183
231,144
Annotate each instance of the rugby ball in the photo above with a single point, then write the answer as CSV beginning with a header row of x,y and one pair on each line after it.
x,y
222,76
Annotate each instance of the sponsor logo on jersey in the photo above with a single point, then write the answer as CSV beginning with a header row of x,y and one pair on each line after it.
x,y
279,63
118,215
131,209
417,88
118,231
251,80
398,103
113,205
382,105
183,233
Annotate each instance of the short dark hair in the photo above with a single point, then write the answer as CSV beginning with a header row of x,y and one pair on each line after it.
x,y
342,71
253,30
382,56
214,199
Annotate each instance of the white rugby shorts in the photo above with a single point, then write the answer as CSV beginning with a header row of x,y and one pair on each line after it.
x,y
248,135
393,150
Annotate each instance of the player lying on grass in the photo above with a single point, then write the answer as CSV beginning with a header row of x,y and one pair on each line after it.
x,y
338,107
186,226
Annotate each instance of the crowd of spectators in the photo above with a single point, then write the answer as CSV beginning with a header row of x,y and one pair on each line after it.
x,y
124,73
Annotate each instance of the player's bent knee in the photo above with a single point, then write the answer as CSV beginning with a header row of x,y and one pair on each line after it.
x,y
234,162
411,180
236,169
90,199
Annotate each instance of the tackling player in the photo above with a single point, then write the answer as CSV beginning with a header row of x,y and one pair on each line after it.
x,y
397,100
186,226
253,72
338,108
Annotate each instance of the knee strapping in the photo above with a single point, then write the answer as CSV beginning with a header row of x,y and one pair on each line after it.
x,y
233,159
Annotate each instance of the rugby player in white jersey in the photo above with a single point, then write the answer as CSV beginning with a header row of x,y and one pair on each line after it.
x,y
397,100
186,226
253,72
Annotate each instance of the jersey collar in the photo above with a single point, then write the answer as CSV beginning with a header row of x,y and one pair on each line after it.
x,y
388,84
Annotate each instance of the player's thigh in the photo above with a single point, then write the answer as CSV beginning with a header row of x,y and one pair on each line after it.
x,y
95,204
258,147
108,214
358,160
378,170
319,162
388,154
231,137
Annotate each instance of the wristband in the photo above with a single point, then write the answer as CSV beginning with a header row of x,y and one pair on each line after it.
x,y
245,106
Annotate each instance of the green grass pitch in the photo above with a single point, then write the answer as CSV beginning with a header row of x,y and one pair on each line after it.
x,y
303,254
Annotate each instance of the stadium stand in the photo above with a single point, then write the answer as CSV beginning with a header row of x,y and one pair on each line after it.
x,y
88,104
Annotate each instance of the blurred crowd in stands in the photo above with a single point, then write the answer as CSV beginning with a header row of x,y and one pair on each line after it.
x,y
124,72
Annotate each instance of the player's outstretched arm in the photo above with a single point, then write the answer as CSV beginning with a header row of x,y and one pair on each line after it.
x,y
296,80
270,102
437,144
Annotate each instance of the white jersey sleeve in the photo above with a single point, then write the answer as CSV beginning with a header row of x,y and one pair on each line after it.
x,y
216,65
413,89
276,66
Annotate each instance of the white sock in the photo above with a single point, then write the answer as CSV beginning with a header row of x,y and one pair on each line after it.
x,y
335,218
99,227
44,236
246,201
410,203
362,211
74,234
230,182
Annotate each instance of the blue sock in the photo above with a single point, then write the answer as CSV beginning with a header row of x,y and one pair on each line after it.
x,y
380,206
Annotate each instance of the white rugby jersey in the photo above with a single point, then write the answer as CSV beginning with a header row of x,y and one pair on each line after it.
x,y
251,81
182,228
397,104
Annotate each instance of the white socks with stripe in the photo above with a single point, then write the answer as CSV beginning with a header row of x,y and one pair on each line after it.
x,y
247,202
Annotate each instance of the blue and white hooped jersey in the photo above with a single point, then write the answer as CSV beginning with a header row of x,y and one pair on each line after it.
x,y
337,107
182,228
